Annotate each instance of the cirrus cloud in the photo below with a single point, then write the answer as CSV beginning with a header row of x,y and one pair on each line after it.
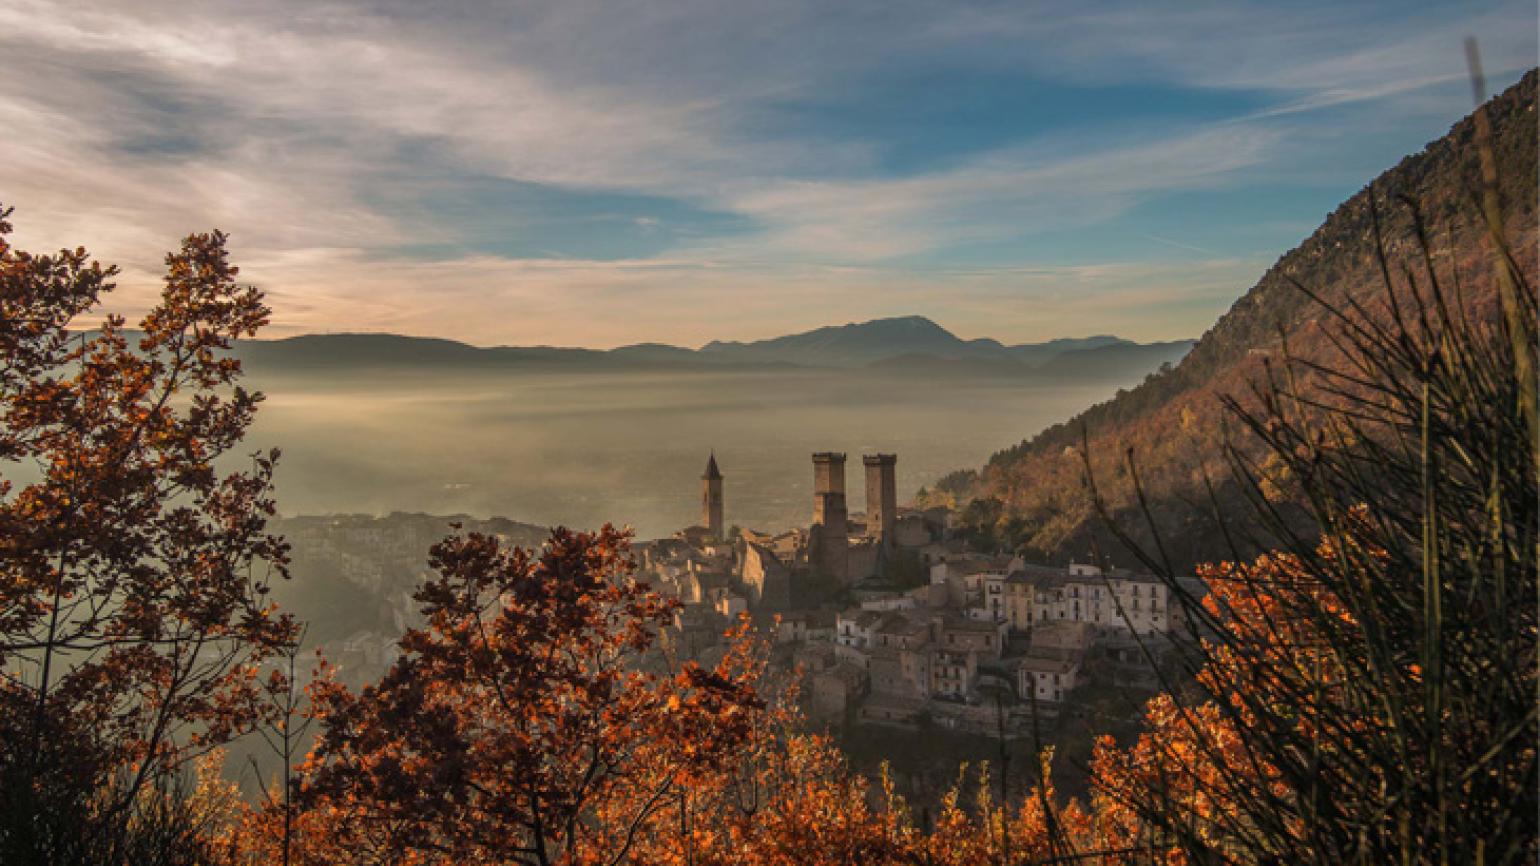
x,y
691,170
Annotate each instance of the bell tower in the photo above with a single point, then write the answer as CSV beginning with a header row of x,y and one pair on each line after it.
x,y
711,499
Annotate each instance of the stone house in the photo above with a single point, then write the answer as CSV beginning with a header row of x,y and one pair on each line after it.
x,y
833,691
955,633
953,673
1047,678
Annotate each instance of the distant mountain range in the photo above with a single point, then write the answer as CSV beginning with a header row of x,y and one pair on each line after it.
x,y
866,343
906,345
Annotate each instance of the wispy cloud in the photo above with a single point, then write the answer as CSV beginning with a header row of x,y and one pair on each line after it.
x,y
1001,195
319,134
1178,244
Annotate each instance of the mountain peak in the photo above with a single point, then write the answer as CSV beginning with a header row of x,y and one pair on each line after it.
x,y
916,322
854,344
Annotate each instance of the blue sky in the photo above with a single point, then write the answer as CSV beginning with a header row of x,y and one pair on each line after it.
x,y
600,173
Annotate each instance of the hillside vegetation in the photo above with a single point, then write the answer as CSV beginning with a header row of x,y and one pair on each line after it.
x,y
1032,495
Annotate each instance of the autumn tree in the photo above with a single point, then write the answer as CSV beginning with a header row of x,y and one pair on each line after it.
x,y
133,569
532,720
799,804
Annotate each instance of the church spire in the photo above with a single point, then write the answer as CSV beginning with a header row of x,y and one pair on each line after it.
x,y
711,499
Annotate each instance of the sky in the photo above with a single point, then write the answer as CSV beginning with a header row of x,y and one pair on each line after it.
x,y
605,172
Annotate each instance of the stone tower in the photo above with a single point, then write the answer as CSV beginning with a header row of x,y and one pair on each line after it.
x,y
830,541
711,499
881,497
828,487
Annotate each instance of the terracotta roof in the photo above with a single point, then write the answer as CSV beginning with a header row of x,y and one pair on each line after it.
x,y
967,624
1034,573
1043,664
862,618
896,623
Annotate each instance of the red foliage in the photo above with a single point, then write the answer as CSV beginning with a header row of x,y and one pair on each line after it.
x,y
529,707
132,571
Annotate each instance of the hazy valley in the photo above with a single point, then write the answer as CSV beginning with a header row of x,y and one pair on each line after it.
x,y
581,438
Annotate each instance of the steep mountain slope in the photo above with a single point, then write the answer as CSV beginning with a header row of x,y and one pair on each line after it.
x,y
1032,496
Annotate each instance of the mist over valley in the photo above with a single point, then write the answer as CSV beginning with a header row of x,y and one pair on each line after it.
x,y
580,438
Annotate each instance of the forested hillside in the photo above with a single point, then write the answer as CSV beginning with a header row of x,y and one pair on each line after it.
x,y
1032,495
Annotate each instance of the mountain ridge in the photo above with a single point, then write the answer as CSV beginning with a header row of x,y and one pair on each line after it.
x,y
871,345
857,344
1031,496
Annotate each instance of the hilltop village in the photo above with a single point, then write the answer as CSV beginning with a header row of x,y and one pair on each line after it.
x,y
893,621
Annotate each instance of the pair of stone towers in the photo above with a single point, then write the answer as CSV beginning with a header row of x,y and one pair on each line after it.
x,y
830,540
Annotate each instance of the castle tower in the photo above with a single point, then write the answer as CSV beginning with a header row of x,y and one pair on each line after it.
x,y
830,541
829,488
881,497
711,499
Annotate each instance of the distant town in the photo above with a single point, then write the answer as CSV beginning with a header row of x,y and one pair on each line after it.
x,y
893,621
888,615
